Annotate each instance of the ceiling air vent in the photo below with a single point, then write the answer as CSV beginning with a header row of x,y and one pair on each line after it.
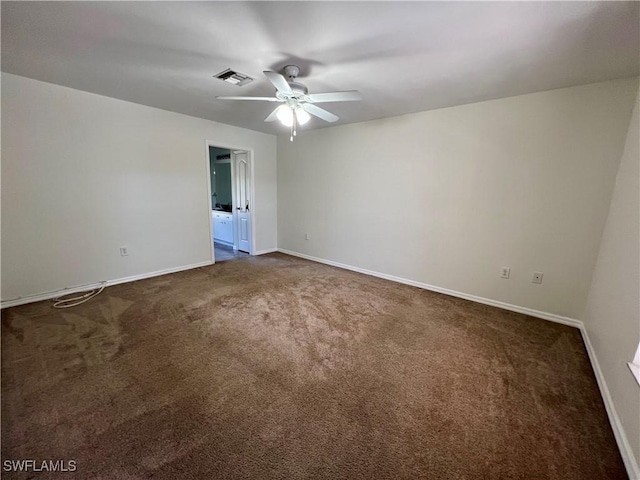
x,y
234,78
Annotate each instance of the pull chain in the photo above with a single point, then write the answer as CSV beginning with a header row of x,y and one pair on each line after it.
x,y
293,125
293,122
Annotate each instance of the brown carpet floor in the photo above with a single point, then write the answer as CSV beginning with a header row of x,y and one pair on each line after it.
x,y
276,367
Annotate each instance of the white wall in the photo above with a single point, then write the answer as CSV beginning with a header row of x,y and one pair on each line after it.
x,y
83,174
612,315
447,197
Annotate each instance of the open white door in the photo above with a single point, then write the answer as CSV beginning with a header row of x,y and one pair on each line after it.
x,y
243,209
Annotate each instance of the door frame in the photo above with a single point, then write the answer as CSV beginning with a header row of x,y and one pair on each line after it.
x,y
250,193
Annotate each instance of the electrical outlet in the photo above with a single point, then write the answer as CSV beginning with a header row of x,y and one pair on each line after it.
x,y
505,272
124,251
306,236
537,277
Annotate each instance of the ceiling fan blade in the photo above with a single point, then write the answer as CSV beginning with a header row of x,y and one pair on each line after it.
x,y
279,82
273,116
320,113
264,99
349,96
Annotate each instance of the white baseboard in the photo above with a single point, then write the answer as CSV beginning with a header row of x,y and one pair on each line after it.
x,y
486,301
263,252
626,451
621,439
81,288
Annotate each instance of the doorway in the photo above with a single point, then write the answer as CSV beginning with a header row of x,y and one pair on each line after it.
x,y
230,202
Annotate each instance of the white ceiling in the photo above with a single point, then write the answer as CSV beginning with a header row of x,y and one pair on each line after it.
x,y
403,56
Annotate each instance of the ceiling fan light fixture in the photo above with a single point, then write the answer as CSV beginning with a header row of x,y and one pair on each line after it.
x,y
302,116
285,115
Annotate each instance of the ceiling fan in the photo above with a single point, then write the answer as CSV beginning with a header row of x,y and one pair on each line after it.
x,y
297,102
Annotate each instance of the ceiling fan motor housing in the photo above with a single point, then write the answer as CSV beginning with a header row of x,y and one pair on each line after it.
x,y
298,88
299,92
